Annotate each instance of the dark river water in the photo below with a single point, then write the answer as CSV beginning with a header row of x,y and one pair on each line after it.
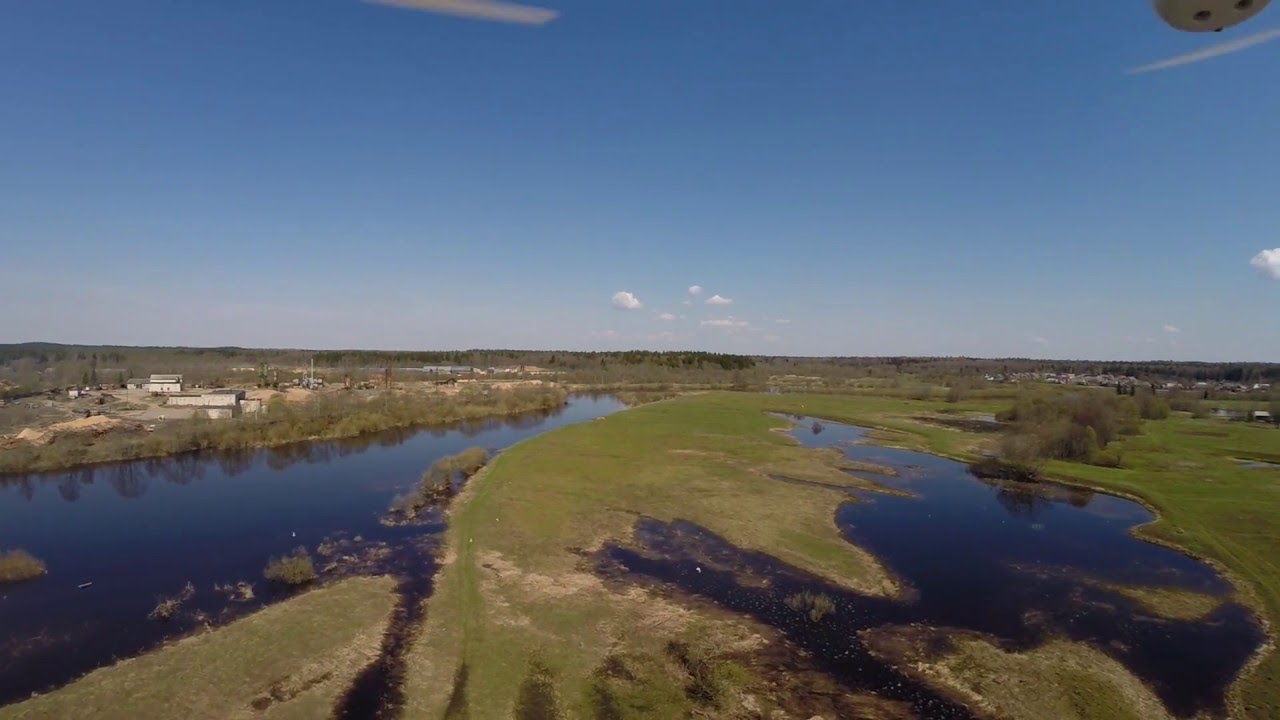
x,y
1020,562
141,530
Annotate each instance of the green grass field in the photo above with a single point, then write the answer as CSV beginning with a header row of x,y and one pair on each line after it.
x,y
513,588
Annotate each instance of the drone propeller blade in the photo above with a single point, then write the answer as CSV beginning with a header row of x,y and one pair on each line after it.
x,y
479,9
1212,51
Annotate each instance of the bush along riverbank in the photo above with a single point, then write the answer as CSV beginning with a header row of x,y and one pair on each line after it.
x,y
325,418
439,484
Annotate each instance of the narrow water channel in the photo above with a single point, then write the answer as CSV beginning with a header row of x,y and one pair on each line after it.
x,y
141,530
1022,563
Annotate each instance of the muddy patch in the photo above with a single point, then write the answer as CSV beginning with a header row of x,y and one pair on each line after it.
x,y
378,691
685,560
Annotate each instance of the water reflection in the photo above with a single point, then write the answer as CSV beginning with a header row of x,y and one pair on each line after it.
x,y
69,488
129,481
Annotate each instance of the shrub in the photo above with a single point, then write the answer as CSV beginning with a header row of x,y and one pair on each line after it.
x,y
436,485
18,565
294,569
1074,426
1112,458
1151,407
168,607
815,606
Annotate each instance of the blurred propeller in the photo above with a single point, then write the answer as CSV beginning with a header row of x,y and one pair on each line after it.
x,y
1210,52
494,10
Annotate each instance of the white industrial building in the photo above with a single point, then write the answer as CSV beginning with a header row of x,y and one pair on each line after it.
x,y
164,384
217,398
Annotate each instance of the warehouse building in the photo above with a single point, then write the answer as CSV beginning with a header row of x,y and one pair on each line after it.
x,y
164,384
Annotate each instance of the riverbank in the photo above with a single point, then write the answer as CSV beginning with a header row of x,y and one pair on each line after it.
x,y
329,418
292,659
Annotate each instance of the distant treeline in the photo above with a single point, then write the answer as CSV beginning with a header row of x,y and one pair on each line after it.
x,y
31,367
549,359
1241,372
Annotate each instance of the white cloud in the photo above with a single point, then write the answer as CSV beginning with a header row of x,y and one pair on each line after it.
x,y
726,323
666,316
1037,339
624,300
695,290
1172,329
717,300
1213,51
495,10
1268,261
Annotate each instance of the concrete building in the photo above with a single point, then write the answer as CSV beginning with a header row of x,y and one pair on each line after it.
x,y
164,384
448,369
219,413
217,398
136,384
250,406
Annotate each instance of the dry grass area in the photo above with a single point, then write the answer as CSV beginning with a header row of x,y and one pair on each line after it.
x,y
1170,603
1059,680
290,660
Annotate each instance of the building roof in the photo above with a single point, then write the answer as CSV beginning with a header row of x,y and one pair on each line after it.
x,y
166,378
136,381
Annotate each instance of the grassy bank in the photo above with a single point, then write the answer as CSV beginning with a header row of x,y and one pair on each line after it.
x,y
513,590
326,417
1059,680
291,660
1212,506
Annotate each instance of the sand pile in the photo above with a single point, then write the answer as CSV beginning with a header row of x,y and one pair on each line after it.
x,y
297,395
97,424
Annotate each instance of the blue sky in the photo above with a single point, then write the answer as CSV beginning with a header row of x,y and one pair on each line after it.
x,y
858,178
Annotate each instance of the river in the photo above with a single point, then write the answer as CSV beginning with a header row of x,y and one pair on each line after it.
x,y
142,530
